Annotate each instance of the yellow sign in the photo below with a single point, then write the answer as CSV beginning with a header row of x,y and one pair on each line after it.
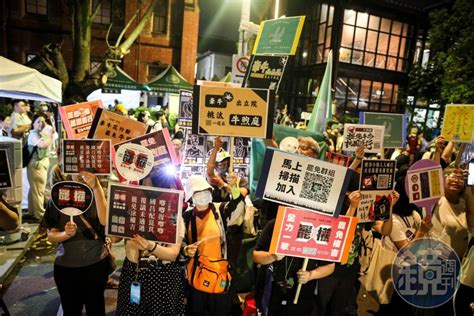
x,y
229,111
458,123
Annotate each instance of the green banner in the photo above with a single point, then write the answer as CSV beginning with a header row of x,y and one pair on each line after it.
x,y
279,36
395,127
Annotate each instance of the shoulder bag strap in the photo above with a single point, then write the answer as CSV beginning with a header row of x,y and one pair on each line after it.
x,y
89,226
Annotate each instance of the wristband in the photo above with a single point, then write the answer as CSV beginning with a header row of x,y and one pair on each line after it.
x,y
185,253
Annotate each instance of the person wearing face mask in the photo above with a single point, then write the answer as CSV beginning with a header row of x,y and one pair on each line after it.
x,y
213,231
220,177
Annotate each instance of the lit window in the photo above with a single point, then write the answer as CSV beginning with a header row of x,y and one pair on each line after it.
x,y
104,14
160,17
37,7
373,41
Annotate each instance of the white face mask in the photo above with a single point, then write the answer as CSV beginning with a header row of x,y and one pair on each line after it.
x,y
202,198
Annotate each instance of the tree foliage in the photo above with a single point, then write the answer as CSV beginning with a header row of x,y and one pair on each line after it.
x,y
449,75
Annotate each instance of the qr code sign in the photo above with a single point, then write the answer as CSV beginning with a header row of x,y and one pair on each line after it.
x,y
316,187
382,181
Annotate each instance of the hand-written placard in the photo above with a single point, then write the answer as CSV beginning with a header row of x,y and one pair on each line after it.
x,y
458,123
116,127
303,182
424,184
304,234
5,176
91,155
369,136
233,111
150,212
71,198
377,180
77,118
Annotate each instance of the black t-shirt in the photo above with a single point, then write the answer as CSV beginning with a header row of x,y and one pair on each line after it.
x,y
289,265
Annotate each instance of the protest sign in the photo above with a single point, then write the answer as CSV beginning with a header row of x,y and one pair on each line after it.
x,y
377,179
395,127
303,182
91,155
458,123
116,127
71,198
77,118
146,211
265,72
279,36
5,175
424,184
304,234
233,111
369,136
133,161
240,64
159,143
338,159
185,108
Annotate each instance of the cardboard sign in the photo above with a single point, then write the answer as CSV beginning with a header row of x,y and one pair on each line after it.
x,y
279,36
377,180
133,162
233,111
395,127
458,123
91,155
77,118
160,145
265,72
71,198
5,176
338,159
424,184
149,212
369,136
303,182
304,234
116,127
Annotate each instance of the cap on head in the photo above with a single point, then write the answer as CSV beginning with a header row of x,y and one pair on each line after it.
x,y
195,183
221,156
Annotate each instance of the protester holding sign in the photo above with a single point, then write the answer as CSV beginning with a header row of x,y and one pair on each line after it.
x,y
450,216
81,267
39,140
153,265
213,233
225,183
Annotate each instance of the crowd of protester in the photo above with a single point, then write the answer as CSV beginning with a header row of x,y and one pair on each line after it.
x,y
212,227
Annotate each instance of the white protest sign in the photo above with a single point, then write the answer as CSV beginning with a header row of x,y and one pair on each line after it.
x,y
369,136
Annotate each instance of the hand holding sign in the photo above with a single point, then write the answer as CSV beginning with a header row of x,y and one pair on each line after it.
x,y
70,228
73,198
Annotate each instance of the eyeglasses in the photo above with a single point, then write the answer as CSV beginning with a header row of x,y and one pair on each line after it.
x,y
456,178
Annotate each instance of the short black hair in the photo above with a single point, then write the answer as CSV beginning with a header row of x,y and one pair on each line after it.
x,y
2,117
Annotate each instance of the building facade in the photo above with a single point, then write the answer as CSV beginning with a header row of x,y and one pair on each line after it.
x,y
170,36
374,44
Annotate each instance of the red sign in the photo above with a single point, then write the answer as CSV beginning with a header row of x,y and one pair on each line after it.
x,y
89,155
150,212
300,233
338,159
77,118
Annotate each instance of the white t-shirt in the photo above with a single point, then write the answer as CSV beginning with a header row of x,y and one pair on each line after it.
x,y
450,224
402,228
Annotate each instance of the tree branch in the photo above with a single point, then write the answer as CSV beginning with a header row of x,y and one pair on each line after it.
x,y
96,9
119,39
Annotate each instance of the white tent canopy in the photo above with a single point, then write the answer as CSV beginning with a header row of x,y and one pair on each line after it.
x,y
20,82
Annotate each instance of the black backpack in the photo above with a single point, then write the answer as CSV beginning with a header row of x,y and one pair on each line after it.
x,y
27,155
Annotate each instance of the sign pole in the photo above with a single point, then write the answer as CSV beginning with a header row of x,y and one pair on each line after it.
x,y
298,289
